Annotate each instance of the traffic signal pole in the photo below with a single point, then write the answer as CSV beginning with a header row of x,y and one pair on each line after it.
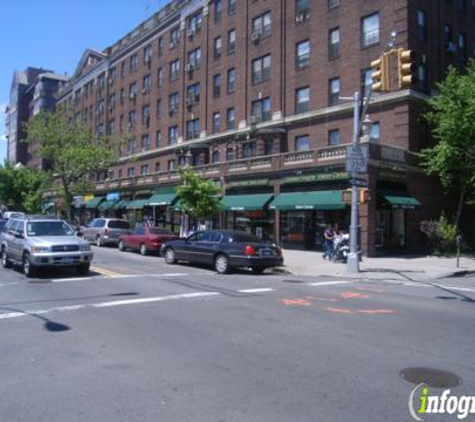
x,y
353,264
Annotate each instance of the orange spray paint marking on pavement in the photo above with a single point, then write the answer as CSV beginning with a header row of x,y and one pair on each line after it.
x,y
324,299
295,302
375,311
353,295
340,310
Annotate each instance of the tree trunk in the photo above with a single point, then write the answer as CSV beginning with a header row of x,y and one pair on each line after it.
x,y
459,208
68,199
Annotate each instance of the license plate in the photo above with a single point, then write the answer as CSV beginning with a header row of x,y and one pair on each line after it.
x,y
266,253
68,260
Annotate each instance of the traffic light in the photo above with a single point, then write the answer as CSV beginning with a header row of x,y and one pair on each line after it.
x,y
380,73
406,68
364,196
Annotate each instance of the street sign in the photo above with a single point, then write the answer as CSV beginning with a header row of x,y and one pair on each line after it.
x,y
354,181
357,158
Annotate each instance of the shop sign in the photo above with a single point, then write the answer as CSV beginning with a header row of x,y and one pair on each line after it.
x,y
113,196
317,177
304,207
246,183
391,175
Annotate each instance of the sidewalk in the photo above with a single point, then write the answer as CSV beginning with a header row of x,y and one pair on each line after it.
x,y
389,268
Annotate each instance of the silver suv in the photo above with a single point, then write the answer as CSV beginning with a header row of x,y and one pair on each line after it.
x,y
104,231
38,242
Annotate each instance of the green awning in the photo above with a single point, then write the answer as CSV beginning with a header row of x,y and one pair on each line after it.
x,y
138,204
246,202
106,205
405,202
162,199
120,205
317,200
94,202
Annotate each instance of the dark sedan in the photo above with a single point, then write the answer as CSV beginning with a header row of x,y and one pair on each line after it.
x,y
145,239
224,250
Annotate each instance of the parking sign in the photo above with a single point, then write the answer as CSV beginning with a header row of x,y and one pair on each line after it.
x,y
357,158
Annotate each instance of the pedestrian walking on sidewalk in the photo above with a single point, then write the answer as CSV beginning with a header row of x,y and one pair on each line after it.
x,y
329,235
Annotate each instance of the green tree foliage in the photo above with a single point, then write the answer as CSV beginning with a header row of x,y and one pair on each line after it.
x,y
21,187
199,197
441,235
74,151
452,118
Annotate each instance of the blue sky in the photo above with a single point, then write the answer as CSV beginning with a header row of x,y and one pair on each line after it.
x,y
53,34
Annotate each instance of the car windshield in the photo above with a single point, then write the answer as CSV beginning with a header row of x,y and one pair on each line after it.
x,y
159,231
243,238
48,228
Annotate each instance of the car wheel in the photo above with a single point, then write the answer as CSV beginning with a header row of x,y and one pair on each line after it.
x,y
170,257
99,241
143,249
221,264
121,246
6,263
83,269
28,269
258,270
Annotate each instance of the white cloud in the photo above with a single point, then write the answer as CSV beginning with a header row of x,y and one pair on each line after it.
x,y
3,107
3,138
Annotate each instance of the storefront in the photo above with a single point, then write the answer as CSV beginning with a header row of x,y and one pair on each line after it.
x,y
92,207
162,207
304,215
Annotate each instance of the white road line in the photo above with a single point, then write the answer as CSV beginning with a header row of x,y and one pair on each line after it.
x,y
67,280
328,283
264,290
9,284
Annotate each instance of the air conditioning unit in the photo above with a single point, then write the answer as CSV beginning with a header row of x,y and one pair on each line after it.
x,y
255,37
133,96
299,18
191,32
189,67
144,91
189,102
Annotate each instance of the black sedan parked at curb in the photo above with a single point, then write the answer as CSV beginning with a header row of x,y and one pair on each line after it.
x,y
225,250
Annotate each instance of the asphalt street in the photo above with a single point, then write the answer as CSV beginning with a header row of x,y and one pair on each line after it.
x,y
139,340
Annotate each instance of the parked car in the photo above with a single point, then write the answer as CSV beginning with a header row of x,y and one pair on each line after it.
x,y
106,231
40,242
12,214
225,250
146,239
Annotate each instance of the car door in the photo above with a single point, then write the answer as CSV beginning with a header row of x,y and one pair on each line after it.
x,y
89,230
9,237
208,245
136,237
189,250
18,240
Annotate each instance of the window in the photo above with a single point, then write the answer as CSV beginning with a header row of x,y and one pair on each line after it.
x,y
175,36
122,69
122,123
216,85
302,143
231,7
422,25
366,80
158,139
112,102
144,170
301,10
194,58
174,70
102,81
302,56
332,4
261,69
269,147
421,77
231,80
160,47
370,30
120,173
147,84
157,166
196,159
194,24
260,110
334,91
172,135
447,34
111,126
145,142
134,63
160,77
133,92
231,41
230,154
334,137
249,149
131,172
122,96
463,46
374,133
173,103
215,157
131,146
171,165
146,115
462,6
193,94
302,100
193,129
112,75
334,43
217,47
218,10
216,122
147,55
230,118
131,119
182,160
261,26
159,109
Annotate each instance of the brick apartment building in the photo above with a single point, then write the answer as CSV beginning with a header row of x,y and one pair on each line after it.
x,y
248,92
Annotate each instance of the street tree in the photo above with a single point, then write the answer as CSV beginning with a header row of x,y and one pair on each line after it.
x,y
21,187
452,117
199,197
73,149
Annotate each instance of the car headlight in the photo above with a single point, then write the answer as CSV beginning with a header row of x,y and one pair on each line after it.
x,y
40,249
85,248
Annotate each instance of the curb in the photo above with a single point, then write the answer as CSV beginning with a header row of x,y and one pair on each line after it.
x,y
459,273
